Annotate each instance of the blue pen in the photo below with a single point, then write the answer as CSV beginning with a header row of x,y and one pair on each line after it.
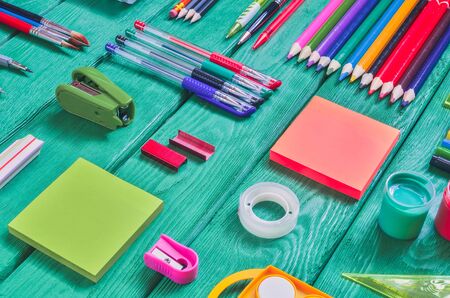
x,y
209,94
370,38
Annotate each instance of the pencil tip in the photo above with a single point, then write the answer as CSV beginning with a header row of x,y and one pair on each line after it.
x,y
319,67
343,76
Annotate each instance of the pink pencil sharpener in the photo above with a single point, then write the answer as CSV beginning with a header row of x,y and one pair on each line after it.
x,y
173,260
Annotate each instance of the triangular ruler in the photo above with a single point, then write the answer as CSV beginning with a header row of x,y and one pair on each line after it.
x,y
404,286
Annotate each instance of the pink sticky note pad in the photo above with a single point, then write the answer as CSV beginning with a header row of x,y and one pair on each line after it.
x,y
335,146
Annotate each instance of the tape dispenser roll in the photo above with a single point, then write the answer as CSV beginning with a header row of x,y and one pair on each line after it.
x,y
268,192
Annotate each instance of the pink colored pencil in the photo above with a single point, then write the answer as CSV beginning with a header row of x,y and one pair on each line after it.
x,y
312,29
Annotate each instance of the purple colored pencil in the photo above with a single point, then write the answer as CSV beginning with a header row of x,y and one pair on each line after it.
x,y
343,29
421,58
420,78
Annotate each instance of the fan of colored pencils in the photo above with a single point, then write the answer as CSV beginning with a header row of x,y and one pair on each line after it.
x,y
391,45
36,25
192,10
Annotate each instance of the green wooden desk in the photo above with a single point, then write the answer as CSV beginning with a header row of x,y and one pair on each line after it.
x,y
334,234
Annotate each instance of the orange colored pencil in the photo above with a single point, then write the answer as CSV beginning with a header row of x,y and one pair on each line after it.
x,y
408,48
383,39
177,8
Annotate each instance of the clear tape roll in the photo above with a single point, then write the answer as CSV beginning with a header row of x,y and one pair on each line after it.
x,y
268,192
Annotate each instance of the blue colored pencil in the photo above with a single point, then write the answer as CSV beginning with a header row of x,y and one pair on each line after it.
x,y
342,32
370,38
418,81
368,77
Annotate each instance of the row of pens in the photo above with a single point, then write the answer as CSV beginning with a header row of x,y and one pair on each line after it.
x,y
211,76
390,45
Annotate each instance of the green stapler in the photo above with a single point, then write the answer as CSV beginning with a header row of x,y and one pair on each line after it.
x,y
94,97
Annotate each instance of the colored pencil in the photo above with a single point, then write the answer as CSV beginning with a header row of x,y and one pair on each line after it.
x,y
183,12
408,47
263,18
277,23
312,29
203,10
357,37
421,58
343,30
40,32
325,29
246,17
178,7
383,39
368,76
194,9
45,22
369,39
420,78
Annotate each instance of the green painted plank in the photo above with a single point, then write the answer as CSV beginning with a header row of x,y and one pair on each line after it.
x,y
225,247
201,195
86,139
375,252
90,17
129,276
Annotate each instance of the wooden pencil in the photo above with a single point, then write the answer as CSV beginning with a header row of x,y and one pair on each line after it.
x,y
368,76
356,38
408,47
325,29
383,39
421,58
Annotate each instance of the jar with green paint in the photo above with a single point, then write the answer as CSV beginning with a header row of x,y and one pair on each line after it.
x,y
407,199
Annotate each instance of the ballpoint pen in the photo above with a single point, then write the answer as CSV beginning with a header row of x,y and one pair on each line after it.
x,y
187,68
216,97
263,18
214,57
277,23
248,15
202,63
9,62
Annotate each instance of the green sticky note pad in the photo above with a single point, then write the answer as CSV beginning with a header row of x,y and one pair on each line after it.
x,y
86,219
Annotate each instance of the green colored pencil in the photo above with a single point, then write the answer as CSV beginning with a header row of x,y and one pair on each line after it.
x,y
325,29
358,36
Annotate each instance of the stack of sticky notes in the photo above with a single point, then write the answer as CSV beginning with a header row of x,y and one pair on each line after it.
x,y
86,219
441,156
335,146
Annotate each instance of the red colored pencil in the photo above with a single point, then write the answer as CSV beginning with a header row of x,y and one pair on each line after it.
x,y
277,23
408,48
39,32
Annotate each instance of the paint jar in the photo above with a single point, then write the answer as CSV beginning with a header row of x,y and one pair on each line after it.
x,y
442,221
407,199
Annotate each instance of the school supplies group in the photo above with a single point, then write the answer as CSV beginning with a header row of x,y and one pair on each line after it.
x,y
192,10
217,79
36,25
391,45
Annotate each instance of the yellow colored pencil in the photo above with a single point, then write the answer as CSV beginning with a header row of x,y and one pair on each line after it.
x,y
383,39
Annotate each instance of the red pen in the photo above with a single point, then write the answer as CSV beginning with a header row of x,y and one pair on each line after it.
x,y
277,23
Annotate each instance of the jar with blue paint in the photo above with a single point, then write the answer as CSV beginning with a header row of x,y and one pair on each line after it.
x,y
407,199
